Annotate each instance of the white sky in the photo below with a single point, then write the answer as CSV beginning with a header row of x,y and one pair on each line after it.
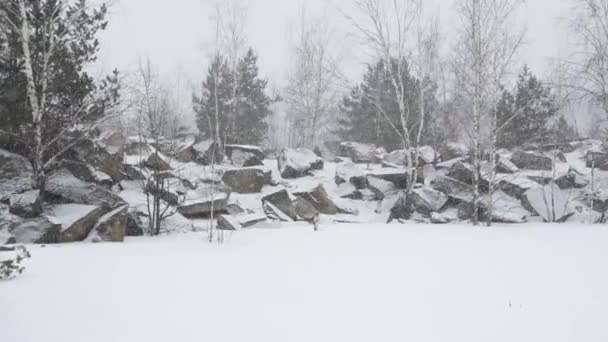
x,y
177,34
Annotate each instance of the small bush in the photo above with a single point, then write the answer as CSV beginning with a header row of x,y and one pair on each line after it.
x,y
10,265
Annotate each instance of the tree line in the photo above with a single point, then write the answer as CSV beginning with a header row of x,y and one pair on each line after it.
x,y
412,93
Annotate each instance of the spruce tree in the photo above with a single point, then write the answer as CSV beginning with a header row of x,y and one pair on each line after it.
x,y
526,116
370,113
254,104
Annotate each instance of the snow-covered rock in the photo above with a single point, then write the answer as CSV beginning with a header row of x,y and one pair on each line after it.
x,y
427,200
572,180
92,160
453,188
282,201
135,226
245,180
396,176
397,158
532,161
206,152
348,171
111,227
76,220
305,210
361,153
157,162
38,230
6,238
319,199
65,188
426,155
506,166
549,202
88,173
204,201
295,163
453,150
239,221
506,209
15,174
26,204
245,155
382,186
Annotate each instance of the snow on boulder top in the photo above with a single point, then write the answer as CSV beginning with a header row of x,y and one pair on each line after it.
x,y
362,153
294,163
549,202
68,214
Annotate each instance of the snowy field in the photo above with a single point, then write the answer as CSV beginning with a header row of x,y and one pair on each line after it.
x,y
344,283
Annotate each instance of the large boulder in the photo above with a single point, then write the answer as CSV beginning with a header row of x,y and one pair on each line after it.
x,y
348,171
282,201
111,227
135,226
320,200
157,162
465,173
7,238
38,230
397,158
166,190
295,163
62,187
16,174
207,152
87,173
426,155
245,155
76,220
427,200
27,204
239,221
516,185
572,180
532,161
597,159
98,158
506,166
396,176
506,209
454,150
305,210
549,202
361,153
245,181
455,189
203,202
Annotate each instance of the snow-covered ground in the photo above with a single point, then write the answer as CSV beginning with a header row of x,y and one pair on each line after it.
x,y
343,283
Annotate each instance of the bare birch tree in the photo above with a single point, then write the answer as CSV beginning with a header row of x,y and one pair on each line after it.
x,y
153,113
312,93
484,54
396,33
586,71
14,14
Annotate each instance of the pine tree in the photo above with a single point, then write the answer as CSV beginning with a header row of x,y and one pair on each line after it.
x,y
526,115
75,27
213,101
254,104
370,113
251,102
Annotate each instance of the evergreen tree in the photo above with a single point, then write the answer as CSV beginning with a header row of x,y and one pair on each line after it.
x,y
213,101
370,113
70,88
252,104
527,115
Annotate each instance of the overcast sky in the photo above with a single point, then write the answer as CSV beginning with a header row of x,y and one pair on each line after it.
x,y
177,34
